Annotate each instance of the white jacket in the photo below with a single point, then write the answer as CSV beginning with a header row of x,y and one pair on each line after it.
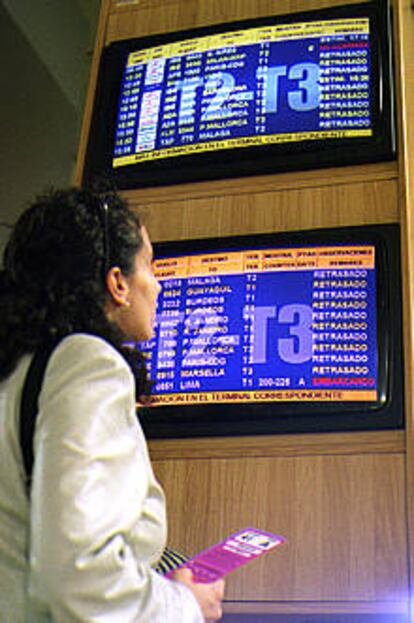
x,y
81,550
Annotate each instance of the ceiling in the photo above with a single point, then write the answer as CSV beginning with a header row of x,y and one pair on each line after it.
x,y
46,50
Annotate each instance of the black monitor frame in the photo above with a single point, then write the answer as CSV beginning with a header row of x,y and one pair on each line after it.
x,y
228,163
181,421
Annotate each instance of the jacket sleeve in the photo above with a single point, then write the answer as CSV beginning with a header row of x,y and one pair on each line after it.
x,y
97,512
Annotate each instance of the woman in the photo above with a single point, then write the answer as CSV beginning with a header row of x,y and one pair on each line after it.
x,y
77,274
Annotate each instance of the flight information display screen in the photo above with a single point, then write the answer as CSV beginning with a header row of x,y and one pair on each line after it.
x,y
266,325
284,83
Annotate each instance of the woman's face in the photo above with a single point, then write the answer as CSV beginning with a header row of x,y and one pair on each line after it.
x,y
136,317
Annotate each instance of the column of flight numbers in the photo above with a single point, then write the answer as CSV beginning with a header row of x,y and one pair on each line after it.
x,y
248,330
128,110
170,117
170,316
191,85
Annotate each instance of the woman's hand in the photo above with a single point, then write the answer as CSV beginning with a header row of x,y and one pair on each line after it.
x,y
209,596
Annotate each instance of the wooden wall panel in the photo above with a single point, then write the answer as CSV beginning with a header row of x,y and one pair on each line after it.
x,y
327,205
155,16
276,446
342,515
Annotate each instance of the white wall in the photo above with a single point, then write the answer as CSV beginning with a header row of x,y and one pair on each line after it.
x,y
45,51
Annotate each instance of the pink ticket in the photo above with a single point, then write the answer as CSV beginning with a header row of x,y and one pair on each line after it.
x,y
235,551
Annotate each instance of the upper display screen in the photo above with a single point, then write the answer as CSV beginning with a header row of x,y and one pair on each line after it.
x,y
279,93
274,84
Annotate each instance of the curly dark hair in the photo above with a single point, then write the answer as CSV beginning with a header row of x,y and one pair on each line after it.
x,y
53,280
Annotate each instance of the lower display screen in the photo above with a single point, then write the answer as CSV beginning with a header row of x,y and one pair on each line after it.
x,y
258,325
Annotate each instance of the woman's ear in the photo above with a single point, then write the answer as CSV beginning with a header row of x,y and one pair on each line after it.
x,y
117,286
